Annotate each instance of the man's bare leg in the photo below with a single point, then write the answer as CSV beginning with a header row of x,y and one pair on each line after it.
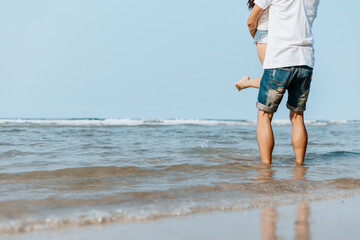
x,y
265,136
299,137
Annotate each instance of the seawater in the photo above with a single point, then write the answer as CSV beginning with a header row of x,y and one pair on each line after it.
x,y
57,173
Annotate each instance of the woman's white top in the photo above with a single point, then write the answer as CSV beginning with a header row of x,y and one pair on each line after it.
x,y
263,22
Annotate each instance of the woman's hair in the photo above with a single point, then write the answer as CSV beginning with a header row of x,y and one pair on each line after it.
x,y
250,4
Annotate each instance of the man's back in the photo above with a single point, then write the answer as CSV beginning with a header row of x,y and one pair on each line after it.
x,y
290,36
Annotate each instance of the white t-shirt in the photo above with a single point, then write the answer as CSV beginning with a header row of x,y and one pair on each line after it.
x,y
263,22
290,38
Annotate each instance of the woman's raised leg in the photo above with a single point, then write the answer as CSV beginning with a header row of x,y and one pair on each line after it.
x,y
246,82
261,51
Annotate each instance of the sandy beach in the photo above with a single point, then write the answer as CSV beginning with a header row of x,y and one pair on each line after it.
x,y
327,219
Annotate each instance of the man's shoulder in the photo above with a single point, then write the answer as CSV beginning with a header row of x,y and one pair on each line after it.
x,y
285,5
311,3
263,4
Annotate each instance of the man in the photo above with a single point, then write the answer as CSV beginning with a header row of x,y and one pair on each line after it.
x,y
288,65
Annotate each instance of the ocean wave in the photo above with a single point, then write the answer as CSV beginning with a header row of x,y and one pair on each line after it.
x,y
110,122
158,204
235,164
337,155
102,172
14,154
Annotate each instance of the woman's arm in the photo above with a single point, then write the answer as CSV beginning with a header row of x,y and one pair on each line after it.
x,y
253,19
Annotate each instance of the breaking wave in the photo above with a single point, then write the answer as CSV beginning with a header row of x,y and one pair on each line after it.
x,y
97,122
174,203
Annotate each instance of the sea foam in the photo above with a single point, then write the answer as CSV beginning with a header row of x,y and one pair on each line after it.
x,y
113,122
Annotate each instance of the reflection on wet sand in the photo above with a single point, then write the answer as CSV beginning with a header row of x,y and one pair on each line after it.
x,y
269,218
302,222
299,172
265,173
269,215
268,223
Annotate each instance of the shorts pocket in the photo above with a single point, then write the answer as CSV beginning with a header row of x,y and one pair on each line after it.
x,y
279,79
307,82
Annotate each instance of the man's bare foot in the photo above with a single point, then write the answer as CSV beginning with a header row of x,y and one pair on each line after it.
x,y
243,83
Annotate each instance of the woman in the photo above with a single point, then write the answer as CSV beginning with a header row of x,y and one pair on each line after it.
x,y
259,32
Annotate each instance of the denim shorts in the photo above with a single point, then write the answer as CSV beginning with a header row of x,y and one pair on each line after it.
x,y
274,83
261,36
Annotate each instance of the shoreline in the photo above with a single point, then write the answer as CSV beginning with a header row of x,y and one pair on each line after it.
x,y
325,219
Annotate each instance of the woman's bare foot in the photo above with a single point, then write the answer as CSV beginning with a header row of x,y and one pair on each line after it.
x,y
243,83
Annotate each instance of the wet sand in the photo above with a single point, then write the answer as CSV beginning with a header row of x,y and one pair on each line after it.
x,y
327,219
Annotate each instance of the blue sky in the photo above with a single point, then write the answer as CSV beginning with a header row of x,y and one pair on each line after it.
x,y
158,59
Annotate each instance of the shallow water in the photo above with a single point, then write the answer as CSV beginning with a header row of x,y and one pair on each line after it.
x,y
75,172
